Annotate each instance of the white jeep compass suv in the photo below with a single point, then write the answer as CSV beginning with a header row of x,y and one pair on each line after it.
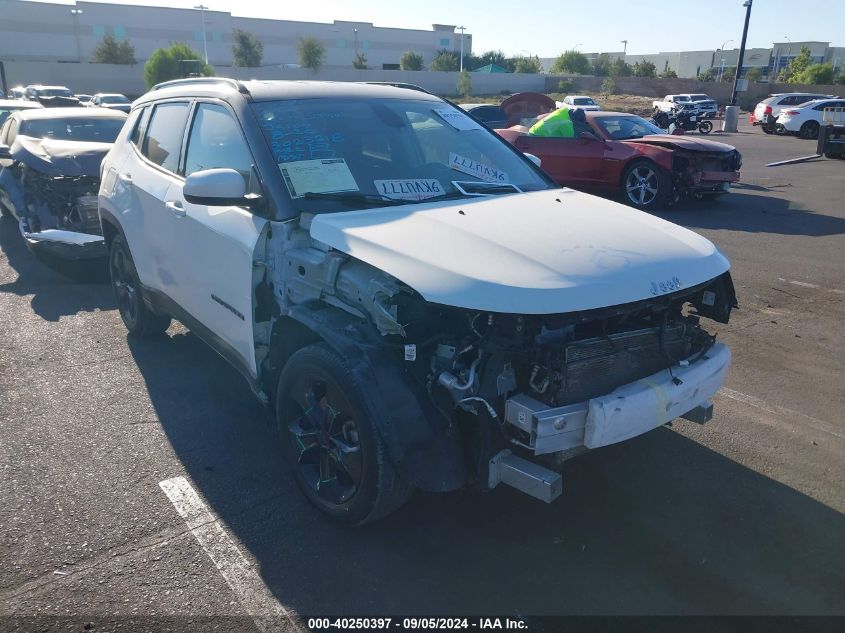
x,y
421,306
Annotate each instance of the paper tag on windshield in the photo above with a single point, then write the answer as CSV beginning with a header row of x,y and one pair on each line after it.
x,y
410,189
474,168
329,175
457,119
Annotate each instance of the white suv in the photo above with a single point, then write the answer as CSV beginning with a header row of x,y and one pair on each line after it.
x,y
805,121
421,306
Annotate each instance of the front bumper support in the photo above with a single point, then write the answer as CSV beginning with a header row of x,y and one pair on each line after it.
x,y
68,245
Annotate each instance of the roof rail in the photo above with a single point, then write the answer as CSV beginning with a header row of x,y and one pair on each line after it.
x,y
397,84
188,81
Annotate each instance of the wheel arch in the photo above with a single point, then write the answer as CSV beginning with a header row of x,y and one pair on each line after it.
x,y
423,444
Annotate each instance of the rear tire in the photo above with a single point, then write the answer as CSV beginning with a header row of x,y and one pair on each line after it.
x,y
646,186
326,426
138,318
809,130
705,127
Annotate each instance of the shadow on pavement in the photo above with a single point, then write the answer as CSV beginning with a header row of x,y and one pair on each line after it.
x,y
53,294
744,211
659,524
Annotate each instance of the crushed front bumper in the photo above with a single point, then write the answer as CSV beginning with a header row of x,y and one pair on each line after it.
x,y
68,245
626,412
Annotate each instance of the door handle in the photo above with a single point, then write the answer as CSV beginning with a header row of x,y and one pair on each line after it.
x,y
125,178
177,208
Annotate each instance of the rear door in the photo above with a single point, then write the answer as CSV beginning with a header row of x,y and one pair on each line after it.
x,y
150,172
213,246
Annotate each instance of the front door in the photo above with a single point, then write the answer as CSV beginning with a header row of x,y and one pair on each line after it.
x,y
214,247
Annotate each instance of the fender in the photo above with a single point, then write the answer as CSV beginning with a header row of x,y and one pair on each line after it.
x,y
424,446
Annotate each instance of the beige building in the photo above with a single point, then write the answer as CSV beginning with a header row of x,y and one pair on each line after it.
x,y
32,31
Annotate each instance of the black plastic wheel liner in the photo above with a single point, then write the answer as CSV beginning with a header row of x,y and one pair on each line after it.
x,y
423,445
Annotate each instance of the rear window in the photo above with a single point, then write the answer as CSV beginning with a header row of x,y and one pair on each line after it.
x,y
89,130
163,140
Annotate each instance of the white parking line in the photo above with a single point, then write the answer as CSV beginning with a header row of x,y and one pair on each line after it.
x,y
267,613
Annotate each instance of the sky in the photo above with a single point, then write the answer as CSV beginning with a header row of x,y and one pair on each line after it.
x,y
553,26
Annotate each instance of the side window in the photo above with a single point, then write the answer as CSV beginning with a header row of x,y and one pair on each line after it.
x,y
216,141
163,139
140,118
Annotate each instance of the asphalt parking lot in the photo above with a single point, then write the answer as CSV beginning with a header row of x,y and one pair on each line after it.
x,y
740,516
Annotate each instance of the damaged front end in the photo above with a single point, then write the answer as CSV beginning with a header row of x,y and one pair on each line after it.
x,y
517,394
698,173
52,186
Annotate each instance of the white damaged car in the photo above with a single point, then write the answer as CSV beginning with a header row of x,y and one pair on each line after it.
x,y
422,307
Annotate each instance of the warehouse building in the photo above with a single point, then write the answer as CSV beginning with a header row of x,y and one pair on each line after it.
x,y
42,31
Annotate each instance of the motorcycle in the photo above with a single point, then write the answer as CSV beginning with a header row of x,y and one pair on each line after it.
x,y
681,121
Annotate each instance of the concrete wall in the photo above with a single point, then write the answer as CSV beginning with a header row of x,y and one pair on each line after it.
x,y
129,80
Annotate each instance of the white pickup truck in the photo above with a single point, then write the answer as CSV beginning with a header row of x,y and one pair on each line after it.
x,y
670,103
701,103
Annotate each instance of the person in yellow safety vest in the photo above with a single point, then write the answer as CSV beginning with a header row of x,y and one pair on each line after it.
x,y
558,124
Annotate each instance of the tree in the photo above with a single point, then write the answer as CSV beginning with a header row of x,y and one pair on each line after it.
x,y
602,65
608,86
312,54
669,74
572,62
796,66
246,49
711,74
360,62
816,75
493,57
728,75
527,65
110,51
465,85
753,74
840,78
565,85
411,61
174,62
620,68
644,69
448,61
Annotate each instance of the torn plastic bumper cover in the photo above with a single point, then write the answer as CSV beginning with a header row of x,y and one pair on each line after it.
x,y
65,244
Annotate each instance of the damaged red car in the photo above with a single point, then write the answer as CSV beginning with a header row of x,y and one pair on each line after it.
x,y
615,152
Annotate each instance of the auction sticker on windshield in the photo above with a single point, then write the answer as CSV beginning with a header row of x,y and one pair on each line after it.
x,y
411,189
457,119
474,168
328,175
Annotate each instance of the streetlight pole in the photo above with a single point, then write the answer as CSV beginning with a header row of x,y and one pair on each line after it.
x,y
462,29
625,50
788,52
75,13
747,4
203,9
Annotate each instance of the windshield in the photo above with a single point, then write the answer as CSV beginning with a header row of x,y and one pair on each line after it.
x,y
620,128
682,98
99,130
55,92
113,99
358,150
583,101
699,98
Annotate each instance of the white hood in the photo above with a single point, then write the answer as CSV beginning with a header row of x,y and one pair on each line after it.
x,y
535,253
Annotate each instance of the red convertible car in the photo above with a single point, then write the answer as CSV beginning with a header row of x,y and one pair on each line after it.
x,y
614,152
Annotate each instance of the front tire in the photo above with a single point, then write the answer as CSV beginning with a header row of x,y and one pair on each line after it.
x,y
139,319
646,186
326,424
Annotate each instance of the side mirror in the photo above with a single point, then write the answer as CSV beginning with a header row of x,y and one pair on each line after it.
x,y
5,152
534,159
218,188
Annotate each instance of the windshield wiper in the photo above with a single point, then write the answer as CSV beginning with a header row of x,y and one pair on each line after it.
x,y
353,198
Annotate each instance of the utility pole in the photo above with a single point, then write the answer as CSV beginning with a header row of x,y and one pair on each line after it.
x,y
75,13
462,29
625,50
747,4
203,9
